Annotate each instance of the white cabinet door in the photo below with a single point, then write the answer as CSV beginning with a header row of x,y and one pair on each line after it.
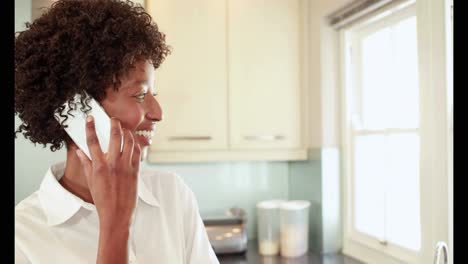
x,y
264,74
191,82
230,90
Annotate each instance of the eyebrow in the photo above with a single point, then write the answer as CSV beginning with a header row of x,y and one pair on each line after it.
x,y
134,86
144,82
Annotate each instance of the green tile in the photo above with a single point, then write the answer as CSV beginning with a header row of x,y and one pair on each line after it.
x,y
219,186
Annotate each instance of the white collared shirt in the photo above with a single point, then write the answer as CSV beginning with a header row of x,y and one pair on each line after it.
x,y
53,225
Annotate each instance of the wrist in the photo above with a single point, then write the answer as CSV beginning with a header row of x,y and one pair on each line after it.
x,y
114,232
114,225
113,243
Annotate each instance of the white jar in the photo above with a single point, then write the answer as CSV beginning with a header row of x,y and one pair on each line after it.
x,y
294,228
268,228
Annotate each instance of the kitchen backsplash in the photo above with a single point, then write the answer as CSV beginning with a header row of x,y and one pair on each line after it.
x,y
219,186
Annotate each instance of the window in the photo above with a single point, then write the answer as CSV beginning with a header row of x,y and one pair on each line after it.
x,y
397,131
383,113
385,135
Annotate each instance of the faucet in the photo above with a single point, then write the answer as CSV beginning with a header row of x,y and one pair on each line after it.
x,y
441,246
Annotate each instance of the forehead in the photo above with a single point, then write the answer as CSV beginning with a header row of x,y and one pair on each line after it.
x,y
141,68
141,74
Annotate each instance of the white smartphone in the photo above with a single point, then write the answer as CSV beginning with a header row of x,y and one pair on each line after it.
x,y
76,124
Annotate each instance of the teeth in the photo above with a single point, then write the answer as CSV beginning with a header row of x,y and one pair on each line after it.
x,y
145,133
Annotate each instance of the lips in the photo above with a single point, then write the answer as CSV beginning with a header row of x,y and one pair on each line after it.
x,y
145,133
144,136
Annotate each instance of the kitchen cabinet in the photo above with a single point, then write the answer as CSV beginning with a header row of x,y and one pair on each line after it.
x,y
191,82
231,88
264,74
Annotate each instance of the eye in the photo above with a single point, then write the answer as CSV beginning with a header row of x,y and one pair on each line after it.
x,y
141,97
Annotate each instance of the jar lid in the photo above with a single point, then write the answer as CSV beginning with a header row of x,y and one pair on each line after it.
x,y
270,204
295,205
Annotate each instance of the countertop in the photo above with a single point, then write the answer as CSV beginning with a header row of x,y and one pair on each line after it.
x,y
253,257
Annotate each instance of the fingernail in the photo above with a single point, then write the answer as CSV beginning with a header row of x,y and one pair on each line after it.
x,y
89,118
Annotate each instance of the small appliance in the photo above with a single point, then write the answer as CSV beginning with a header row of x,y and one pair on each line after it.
x,y
227,232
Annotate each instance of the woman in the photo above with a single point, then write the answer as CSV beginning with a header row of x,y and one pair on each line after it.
x,y
104,209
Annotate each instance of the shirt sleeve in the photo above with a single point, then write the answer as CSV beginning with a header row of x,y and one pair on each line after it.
x,y
20,257
197,245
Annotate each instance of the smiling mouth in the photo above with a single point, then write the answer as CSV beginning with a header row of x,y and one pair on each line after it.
x,y
145,133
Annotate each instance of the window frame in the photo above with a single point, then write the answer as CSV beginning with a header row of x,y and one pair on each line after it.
x,y
355,243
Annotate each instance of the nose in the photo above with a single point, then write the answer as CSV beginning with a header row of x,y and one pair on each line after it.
x,y
154,110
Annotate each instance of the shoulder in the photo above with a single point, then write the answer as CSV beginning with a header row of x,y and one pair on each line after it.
x,y
165,184
28,207
167,179
28,214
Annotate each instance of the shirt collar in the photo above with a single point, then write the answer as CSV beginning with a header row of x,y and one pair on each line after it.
x,y
59,204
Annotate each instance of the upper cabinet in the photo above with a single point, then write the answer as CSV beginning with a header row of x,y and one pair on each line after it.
x,y
232,87
191,82
264,74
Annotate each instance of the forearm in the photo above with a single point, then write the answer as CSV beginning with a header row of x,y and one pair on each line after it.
x,y
113,245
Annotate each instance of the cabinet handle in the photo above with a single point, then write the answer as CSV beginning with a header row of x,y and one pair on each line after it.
x,y
265,138
190,138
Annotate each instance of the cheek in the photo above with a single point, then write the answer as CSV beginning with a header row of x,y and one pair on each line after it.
x,y
130,117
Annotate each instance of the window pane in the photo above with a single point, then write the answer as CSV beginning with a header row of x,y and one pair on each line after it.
x,y
386,188
369,185
402,221
405,88
389,77
376,70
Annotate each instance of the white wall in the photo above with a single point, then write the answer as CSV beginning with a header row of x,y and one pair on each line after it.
x,y
31,163
323,96
22,13
325,116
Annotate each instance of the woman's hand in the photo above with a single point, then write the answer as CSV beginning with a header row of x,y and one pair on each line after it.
x,y
112,177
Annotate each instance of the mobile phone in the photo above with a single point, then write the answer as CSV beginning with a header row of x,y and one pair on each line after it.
x,y
76,124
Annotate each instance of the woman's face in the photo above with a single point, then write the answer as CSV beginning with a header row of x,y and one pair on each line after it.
x,y
135,105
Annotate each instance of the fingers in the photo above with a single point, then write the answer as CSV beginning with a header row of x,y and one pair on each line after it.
x,y
131,153
136,157
115,141
92,139
128,146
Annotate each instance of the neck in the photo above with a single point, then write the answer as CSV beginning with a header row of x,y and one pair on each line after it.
x,y
74,179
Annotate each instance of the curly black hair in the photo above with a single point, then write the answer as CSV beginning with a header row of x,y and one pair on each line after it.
x,y
78,47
